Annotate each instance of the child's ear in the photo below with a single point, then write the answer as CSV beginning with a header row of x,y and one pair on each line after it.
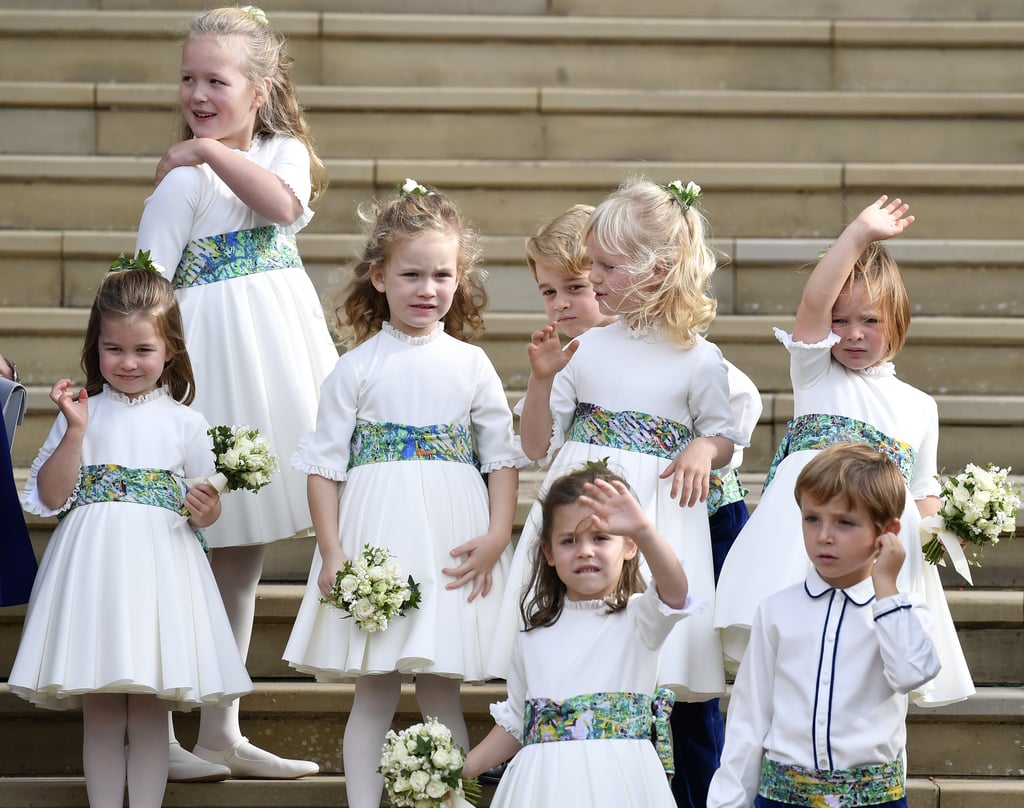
x,y
377,277
892,526
262,92
630,549
545,547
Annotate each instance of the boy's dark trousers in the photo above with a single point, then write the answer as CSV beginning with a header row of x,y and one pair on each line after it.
x,y
698,730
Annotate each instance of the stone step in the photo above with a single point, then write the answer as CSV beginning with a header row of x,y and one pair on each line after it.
x,y
981,10
764,200
946,277
542,50
979,737
544,123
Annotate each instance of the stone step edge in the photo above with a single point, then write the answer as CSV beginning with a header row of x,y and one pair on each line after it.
x,y
326,790
548,100
508,248
538,28
965,178
934,330
1000,704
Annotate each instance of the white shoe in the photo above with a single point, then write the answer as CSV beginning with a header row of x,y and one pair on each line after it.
x,y
248,762
187,768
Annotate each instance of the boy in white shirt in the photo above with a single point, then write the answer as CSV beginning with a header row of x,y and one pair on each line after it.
x,y
818,711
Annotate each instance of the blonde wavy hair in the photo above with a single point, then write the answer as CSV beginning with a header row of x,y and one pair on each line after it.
x,y
878,271
560,243
264,55
359,309
667,255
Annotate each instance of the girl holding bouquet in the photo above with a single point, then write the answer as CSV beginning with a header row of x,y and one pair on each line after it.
x,y
583,717
125,619
409,420
230,197
852,320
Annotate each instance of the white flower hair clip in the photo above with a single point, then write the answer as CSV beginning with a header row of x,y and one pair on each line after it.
x,y
256,13
412,188
685,195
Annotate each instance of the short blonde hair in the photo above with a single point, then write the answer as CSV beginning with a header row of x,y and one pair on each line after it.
x,y
560,243
880,274
862,475
667,254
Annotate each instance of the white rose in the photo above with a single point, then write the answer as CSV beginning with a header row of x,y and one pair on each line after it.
x,y
362,609
418,780
436,789
230,459
440,758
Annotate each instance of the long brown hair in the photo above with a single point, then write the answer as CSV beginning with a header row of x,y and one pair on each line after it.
x,y
542,601
264,55
140,293
359,309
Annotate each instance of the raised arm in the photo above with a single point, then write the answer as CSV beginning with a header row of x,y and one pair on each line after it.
x,y
617,511
878,221
59,474
546,358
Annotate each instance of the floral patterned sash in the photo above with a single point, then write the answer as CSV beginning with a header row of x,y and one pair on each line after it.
x,y
384,442
864,785
635,431
114,483
820,430
601,716
234,255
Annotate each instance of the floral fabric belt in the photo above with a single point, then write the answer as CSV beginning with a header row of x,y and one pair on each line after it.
x,y
635,431
602,716
864,785
383,442
820,430
114,483
234,255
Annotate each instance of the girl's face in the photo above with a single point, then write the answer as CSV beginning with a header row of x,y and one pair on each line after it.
x,y
857,319
217,100
587,561
569,300
419,280
132,354
613,284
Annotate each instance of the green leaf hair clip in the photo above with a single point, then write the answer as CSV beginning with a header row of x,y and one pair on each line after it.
x,y
140,261
685,195
256,13
412,188
599,466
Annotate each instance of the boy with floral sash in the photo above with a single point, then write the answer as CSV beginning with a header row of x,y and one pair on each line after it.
x,y
818,710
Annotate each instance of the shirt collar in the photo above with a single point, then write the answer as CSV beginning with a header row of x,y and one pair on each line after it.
x,y
860,594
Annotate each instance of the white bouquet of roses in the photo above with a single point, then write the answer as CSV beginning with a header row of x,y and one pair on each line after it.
x,y
371,589
243,458
978,506
422,768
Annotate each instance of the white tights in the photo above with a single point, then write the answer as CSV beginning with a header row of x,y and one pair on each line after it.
x,y
238,571
373,708
109,719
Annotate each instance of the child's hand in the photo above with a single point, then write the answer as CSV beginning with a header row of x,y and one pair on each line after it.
x,y
329,568
203,503
482,553
545,352
74,407
184,153
888,562
616,510
881,220
691,473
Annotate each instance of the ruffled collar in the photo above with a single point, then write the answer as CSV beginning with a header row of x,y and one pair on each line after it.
x,y
879,371
121,398
401,336
584,605
647,333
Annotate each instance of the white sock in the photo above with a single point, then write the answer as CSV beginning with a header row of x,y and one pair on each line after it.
x,y
441,697
147,751
104,720
373,708
237,570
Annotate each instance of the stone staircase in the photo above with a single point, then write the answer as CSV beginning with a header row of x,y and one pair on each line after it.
x,y
791,114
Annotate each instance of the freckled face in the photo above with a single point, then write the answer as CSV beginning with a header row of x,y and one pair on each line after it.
x,y
856,319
